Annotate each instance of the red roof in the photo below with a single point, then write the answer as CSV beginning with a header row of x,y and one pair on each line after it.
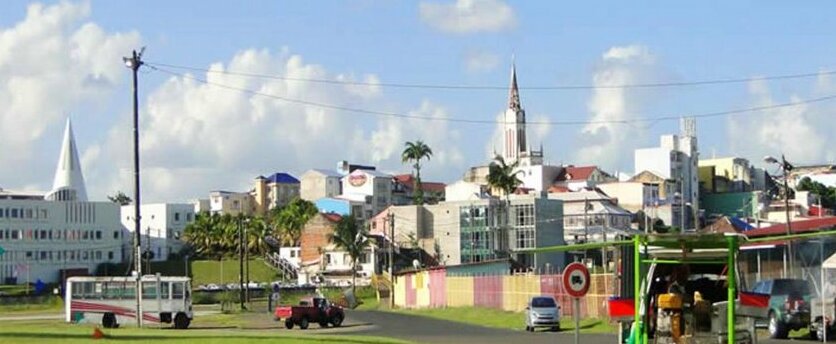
x,y
333,217
576,173
407,180
798,226
558,189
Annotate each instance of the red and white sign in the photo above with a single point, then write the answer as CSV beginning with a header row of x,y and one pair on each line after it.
x,y
357,180
576,280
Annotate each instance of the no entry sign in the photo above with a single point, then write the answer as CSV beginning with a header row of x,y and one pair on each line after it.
x,y
576,280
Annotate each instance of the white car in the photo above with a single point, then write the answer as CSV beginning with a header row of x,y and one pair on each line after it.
x,y
542,311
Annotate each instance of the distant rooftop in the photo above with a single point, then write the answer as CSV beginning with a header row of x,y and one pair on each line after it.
x,y
282,178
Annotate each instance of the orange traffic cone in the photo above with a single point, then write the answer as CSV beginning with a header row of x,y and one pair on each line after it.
x,y
97,333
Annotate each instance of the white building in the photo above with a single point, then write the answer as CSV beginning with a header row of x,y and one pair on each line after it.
x,y
515,143
677,159
368,186
49,238
161,227
318,183
592,216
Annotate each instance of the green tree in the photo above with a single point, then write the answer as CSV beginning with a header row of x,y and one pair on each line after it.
x,y
502,177
351,237
414,152
257,231
827,194
120,198
288,222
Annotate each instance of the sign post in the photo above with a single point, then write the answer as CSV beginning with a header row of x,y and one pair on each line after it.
x,y
576,284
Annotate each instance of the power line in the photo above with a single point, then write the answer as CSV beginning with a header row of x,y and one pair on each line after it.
x,y
478,121
719,81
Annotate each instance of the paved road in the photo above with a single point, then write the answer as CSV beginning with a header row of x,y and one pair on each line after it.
x,y
421,329
60,316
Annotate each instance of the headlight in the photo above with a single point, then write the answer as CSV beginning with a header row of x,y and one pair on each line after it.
x,y
534,314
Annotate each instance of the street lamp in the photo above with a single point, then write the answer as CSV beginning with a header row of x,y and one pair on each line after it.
x,y
786,168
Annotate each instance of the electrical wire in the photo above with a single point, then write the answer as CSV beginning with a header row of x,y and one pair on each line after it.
x,y
477,121
504,88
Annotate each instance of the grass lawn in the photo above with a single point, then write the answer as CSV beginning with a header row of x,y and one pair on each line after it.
x,y
490,317
57,332
212,271
54,304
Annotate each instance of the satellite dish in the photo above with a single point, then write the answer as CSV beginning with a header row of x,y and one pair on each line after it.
x,y
416,264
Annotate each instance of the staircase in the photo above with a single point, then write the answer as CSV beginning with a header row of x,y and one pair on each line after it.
x,y
277,262
286,268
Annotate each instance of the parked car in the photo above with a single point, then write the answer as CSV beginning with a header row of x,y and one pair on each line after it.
x,y
317,310
789,305
542,311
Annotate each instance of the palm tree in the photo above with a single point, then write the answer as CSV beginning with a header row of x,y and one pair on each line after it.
x,y
257,231
291,219
502,176
414,152
352,238
198,234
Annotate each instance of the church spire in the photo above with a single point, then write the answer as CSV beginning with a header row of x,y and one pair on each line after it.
x,y
514,92
68,184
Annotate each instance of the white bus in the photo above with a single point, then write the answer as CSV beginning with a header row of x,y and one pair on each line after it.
x,y
111,301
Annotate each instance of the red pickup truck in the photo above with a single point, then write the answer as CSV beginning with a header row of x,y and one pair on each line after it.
x,y
316,310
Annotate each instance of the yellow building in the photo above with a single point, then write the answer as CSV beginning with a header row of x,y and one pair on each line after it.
x,y
725,175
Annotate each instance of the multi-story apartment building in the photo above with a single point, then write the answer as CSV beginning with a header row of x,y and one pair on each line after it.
x,y
162,226
274,191
229,202
319,183
50,237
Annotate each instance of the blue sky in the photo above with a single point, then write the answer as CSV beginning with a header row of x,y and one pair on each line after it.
x,y
201,138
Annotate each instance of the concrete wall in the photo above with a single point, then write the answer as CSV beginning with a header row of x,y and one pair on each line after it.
x,y
315,185
435,289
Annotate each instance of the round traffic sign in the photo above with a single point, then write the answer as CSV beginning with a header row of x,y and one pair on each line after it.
x,y
576,280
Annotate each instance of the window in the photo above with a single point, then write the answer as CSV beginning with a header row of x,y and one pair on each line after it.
x,y
177,290
98,235
98,255
43,214
188,217
15,234
177,217
43,255
43,235
115,234
149,290
110,255
14,213
164,287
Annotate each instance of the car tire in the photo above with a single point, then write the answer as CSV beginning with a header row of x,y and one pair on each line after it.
x,y
777,329
337,320
288,324
303,324
555,328
323,324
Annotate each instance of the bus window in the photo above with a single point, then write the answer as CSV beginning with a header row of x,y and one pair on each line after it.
x,y
89,292
129,292
78,292
177,290
113,290
164,290
149,290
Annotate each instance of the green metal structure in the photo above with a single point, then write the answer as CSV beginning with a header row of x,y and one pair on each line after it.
x,y
723,244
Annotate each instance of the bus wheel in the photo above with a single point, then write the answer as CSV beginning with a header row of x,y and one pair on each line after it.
x,y
109,320
181,321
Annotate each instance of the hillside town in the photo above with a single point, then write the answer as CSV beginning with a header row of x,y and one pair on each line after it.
x,y
685,246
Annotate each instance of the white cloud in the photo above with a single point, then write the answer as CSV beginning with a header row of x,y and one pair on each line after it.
x,y
480,61
198,137
804,133
468,16
51,62
611,144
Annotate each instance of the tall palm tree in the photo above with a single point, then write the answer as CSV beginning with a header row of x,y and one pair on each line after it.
x,y
198,234
414,152
352,238
292,218
257,231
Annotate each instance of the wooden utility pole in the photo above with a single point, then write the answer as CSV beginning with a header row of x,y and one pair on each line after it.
x,y
134,62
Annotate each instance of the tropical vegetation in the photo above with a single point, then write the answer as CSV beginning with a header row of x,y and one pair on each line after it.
x,y
503,177
352,238
216,236
414,152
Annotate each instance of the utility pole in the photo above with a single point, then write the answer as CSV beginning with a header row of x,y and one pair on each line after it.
x,y
391,261
247,262
786,167
134,62
241,261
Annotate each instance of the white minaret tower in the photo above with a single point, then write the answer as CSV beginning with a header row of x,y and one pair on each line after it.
x,y
69,182
514,132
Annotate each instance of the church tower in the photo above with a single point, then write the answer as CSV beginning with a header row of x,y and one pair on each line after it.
x,y
68,184
515,144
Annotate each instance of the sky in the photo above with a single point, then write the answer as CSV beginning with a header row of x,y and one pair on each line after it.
x,y
64,59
